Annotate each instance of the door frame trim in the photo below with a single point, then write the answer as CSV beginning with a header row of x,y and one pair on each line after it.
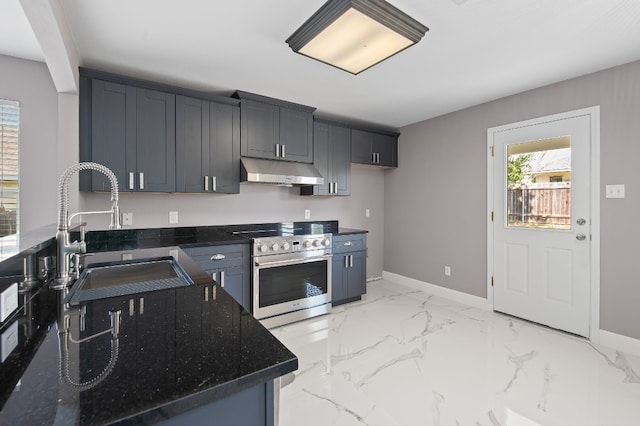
x,y
594,206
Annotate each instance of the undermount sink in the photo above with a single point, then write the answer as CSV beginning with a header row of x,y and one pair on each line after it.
x,y
120,279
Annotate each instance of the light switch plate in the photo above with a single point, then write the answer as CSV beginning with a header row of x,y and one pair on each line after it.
x,y
615,191
8,301
9,340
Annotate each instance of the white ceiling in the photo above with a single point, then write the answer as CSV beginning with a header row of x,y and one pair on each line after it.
x,y
475,51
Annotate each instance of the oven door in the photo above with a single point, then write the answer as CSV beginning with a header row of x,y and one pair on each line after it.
x,y
290,282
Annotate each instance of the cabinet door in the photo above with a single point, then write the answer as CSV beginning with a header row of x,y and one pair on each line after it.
x,y
296,134
322,157
357,274
224,153
260,129
192,147
155,161
386,146
361,146
341,158
338,291
113,131
231,279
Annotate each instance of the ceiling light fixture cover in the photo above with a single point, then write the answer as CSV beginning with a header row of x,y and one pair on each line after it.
x,y
354,35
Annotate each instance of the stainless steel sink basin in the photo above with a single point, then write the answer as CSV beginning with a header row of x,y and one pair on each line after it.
x,y
120,279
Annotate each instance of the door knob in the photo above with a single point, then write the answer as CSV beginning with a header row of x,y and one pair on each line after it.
x,y
581,221
581,237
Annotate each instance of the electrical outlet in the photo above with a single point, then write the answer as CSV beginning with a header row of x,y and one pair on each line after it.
x,y
8,301
127,256
447,271
367,212
307,214
127,219
173,218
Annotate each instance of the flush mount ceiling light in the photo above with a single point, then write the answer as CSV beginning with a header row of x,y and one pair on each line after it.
x,y
354,35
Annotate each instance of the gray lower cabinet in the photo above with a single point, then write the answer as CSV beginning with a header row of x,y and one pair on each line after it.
x,y
332,158
349,268
275,129
373,147
207,146
229,265
131,131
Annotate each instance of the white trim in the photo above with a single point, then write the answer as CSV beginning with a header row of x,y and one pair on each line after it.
x,y
594,114
620,342
436,290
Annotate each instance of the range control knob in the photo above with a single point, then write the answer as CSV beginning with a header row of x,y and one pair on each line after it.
x,y
316,243
275,246
307,244
326,242
285,245
264,248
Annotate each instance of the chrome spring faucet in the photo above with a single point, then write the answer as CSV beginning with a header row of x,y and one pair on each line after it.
x,y
65,248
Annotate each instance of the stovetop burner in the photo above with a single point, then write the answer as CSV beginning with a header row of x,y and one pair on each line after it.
x,y
284,229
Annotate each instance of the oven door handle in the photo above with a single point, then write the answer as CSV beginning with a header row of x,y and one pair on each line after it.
x,y
266,264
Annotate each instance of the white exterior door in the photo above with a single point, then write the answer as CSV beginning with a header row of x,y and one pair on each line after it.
x,y
541,221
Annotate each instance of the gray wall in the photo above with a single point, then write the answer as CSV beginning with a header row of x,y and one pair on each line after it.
x,y
30,83
435,202
261,203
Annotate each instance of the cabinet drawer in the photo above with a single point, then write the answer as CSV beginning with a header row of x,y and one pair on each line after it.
x,y
223,256
348,243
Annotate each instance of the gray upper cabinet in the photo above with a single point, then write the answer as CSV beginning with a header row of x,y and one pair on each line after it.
x,y
332,158
207,146
373,147
132,133
275,129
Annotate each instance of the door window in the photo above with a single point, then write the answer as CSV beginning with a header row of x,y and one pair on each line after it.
x,y
538,184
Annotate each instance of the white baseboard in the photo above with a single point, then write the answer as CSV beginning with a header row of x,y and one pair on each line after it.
x,y
436,290
618,341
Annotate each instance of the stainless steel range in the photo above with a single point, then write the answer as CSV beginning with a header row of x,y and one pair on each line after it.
x,y
291,277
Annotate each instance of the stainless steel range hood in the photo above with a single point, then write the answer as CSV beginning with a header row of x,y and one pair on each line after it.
x,y
279,172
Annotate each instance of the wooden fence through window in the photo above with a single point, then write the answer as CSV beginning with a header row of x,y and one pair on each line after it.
x,y
543,206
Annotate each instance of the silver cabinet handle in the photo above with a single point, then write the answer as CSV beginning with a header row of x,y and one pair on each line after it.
x,y
277,150
206,183
218,256
581,237
141,306
283,151
346,261
348,243
215,183
132,184
141,180
373,157
350,261
221,278
206,293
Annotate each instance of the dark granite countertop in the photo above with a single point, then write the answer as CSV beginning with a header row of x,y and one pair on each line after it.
x,y
177,349
349,231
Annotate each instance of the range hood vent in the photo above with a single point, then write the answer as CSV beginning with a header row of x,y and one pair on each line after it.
x,y
279,172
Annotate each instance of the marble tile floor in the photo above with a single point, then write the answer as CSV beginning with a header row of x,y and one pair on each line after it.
x,y
404,357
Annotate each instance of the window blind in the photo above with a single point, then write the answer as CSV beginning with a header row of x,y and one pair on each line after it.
x,y
9,166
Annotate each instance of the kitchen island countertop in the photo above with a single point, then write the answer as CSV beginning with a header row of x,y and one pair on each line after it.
x,y
178,349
